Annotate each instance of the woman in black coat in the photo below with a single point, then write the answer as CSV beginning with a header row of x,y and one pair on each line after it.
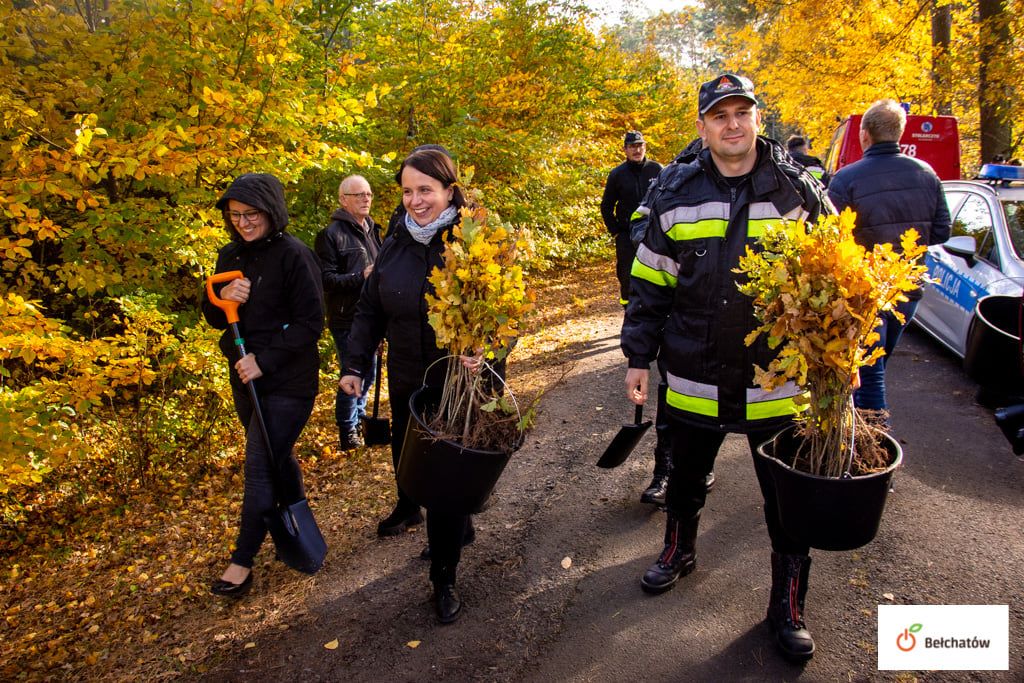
x,y
393,306
281,318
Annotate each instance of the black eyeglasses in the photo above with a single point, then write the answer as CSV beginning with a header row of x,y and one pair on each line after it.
x,y
249,216
361,195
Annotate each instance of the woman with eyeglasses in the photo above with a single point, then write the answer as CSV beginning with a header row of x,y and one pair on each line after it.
x,y
392,306
281,318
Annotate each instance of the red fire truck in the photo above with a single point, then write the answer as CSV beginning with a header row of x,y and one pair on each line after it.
x,y
933,139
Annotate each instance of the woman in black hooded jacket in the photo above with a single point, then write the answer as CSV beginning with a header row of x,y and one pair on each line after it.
x,y
281,318
393,306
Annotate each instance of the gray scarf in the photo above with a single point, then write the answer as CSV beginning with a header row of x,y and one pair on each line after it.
x,y
424,233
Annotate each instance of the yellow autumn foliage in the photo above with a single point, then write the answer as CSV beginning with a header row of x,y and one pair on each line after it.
x,y
818,296
479,302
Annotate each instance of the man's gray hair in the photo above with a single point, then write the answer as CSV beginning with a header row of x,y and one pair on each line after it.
x,y
346,179
884,121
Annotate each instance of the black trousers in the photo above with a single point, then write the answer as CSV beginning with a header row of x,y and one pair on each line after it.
x,y
624,255
284,416
694,450
445,531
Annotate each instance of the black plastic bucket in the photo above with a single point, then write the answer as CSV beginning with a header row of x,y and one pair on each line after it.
x,y
440,474
823,512
993,354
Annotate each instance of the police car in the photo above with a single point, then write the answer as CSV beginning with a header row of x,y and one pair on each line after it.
x,y
984,257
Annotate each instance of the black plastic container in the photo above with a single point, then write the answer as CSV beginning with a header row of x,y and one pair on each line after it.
x,y
993,354
443,475
823,512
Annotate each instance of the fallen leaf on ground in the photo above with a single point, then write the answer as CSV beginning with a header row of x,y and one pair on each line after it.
x,y
566,562
249,645
889,596
413,644
333,645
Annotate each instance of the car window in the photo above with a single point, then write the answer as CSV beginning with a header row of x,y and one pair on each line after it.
x,y
1015,225
975,219
953,200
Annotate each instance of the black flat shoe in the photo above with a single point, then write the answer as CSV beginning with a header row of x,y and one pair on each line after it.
x,y
448,603
226,589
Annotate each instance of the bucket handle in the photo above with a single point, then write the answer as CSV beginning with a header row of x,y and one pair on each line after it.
x,y
494,372
853,439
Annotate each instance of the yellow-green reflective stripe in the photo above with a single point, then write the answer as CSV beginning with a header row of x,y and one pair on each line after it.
x,y
756,228
692,404
624,302
657,277
712,227
637,214
817,173
777,408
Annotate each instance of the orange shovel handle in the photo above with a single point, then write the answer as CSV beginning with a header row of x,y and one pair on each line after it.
x,y
230,308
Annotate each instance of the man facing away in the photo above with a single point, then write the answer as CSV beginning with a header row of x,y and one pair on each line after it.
x,y
800,151
686,312
890,192
347,248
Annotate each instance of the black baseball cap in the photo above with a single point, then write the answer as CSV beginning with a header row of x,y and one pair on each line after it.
x,y
721,87
633,137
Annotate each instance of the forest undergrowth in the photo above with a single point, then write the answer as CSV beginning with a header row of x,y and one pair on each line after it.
x,y
119,591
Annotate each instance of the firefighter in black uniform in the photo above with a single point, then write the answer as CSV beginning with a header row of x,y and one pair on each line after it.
x,y
686,312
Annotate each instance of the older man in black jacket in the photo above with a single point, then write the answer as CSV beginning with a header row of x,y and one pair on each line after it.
x,y
890,192
347,248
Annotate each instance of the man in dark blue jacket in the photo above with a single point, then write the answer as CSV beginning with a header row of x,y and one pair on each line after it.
x,y
890,192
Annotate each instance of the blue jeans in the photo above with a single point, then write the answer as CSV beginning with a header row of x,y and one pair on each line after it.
x,y
349,409
285,416
871,394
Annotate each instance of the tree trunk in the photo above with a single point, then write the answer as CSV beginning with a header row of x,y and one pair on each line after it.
x,y
942,23
993,95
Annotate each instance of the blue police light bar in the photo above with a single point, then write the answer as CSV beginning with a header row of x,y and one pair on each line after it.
x,y
1001,172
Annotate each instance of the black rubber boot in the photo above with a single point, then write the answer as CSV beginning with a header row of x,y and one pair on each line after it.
x,y
677,559
786,606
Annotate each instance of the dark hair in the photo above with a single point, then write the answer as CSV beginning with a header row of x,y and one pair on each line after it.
x,y
439,148
438,166
795,141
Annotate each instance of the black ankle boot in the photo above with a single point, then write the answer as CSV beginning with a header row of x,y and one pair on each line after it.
x,y
678,557
786,606
655,493
401,518
447,602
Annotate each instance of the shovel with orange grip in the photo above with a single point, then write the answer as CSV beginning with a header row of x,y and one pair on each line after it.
x,y
230,309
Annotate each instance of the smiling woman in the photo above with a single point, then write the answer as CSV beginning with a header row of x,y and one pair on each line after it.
x,y
392,306
281,314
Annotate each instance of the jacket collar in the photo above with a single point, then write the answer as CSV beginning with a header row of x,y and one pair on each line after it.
x,y
882,148
343,216
768,179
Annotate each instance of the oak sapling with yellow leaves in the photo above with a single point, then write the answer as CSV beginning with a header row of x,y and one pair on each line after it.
x,y
818,296
479,302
